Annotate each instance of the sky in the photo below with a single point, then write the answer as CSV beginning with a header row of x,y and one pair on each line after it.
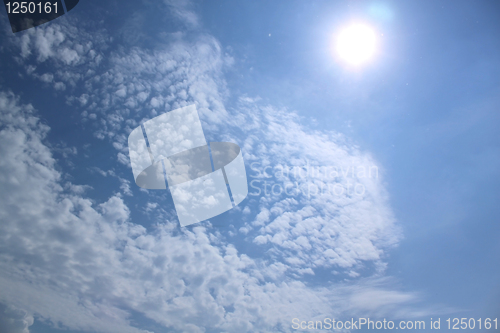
x,y
373,188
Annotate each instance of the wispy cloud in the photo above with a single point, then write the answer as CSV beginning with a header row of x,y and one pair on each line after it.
x,y
13,320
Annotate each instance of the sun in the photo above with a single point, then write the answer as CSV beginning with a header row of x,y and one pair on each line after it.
x,y
356,44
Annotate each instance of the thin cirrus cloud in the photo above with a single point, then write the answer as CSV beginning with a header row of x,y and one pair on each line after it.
x,y
93,263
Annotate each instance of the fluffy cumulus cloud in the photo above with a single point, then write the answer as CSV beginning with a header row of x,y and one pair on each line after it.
x,y
316,203
321,200
131,84
58,46
47,245
84,266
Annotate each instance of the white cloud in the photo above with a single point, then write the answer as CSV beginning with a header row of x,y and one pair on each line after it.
x,y
47,77
46,233
151,82
190,72
84,267
125,186
63,46
310,225
13,320
182,10
325,230
87,265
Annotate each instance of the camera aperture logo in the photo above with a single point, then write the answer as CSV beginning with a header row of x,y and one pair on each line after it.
x,y
205,179
28,14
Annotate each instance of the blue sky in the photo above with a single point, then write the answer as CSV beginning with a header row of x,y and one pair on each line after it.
x,y
84,249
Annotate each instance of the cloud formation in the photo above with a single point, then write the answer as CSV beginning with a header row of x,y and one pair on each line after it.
x,y
83,265
13,320
89,265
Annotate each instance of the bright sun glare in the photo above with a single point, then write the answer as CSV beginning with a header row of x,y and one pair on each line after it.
x,y
356,44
